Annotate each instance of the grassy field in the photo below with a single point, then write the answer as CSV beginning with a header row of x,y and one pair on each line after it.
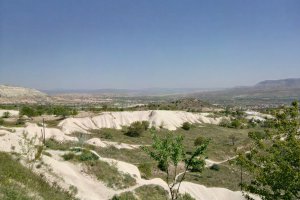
x,y
149,192
228,176
19,183
105,172
220,148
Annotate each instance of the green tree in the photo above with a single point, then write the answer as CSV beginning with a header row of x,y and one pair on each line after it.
x,y
274,159
169,152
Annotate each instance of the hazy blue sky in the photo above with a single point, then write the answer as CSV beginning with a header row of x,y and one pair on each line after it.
x,y
92,44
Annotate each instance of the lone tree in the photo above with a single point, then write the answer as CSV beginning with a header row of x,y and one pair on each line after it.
x,y
274,159
169,152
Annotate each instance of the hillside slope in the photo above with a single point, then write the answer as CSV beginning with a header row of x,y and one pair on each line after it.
x,y
279,84
13,94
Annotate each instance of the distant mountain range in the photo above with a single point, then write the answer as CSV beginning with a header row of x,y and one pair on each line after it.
x,y
129,92
265,92
279,84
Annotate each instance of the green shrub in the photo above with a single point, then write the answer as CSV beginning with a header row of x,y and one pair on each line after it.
x,y
20,121
186,126
257,134
135,129
107,135
235,124
215,167
39,152
151,192
185,196
68,156
1,121
146,170
146,125
199,140
6,115
87,156
124,196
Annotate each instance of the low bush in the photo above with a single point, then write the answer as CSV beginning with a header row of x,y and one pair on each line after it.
x,y
69,156
146,170
124,196
87,156
6,115
146,125
185,196
151,192
215,167
135,129
186,126
199,140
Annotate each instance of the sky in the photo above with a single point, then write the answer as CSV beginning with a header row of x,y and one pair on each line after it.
x,y
94,44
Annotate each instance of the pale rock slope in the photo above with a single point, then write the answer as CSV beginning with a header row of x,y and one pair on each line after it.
x,y
68,174
100,143
257,115
10,137
13,94
157,118
13,91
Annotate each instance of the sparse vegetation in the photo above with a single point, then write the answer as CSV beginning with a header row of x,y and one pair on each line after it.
x,y
104,171
149,192
20,183
109,174
145,169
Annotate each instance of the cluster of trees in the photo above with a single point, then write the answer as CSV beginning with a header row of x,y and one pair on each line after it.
x,y
32,111
274,159
235,123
